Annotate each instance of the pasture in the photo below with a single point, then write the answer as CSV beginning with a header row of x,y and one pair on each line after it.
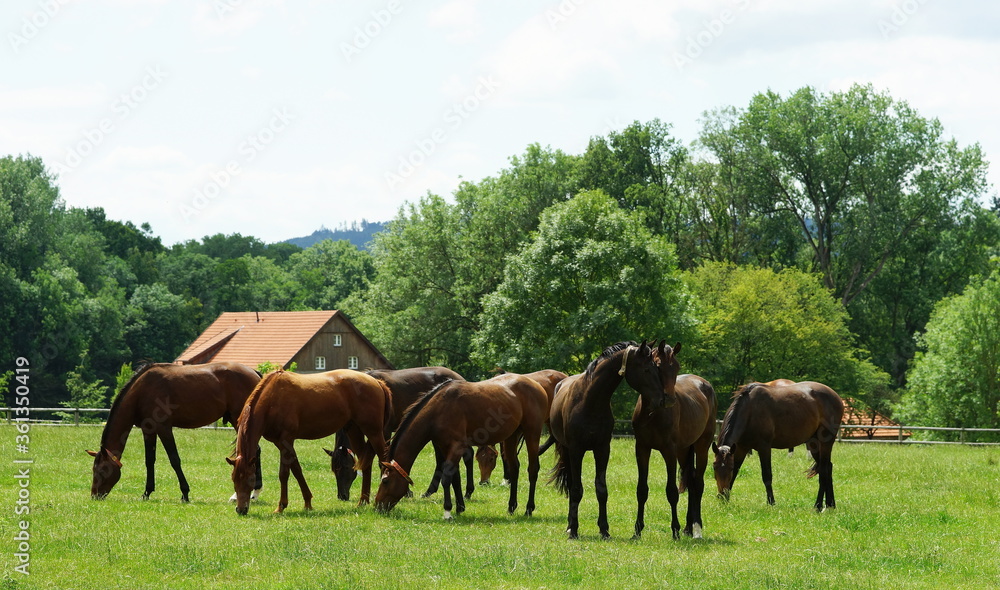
x,y
906,517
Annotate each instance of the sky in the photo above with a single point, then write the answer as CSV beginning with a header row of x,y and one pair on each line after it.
x,y
271,118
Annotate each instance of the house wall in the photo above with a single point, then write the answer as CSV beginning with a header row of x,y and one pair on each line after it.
x,y
337,357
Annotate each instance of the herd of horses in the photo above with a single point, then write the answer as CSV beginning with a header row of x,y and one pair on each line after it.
x,y
394,414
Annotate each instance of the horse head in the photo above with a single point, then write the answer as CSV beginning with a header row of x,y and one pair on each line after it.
x,y
486,456
666,360
344,465
395,483
725,469
107,471
641,368
243,481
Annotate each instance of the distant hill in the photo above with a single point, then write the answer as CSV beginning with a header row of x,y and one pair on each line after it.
x,y
357,233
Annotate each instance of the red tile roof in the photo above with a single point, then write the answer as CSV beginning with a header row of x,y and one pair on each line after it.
x,y
251,337
874,423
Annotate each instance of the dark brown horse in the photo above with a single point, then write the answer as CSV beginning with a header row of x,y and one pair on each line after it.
x,y
160,397
287,406
406,385
581,420
682,432
457,415
762,417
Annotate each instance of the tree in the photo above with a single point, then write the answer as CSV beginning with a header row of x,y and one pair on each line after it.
x,y
858,171
955,377
757,324
592,275
159,324
327,272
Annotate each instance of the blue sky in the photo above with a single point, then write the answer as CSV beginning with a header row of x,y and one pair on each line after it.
x,y
272,118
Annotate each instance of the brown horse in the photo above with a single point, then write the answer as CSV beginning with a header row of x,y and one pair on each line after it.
x,y
160,397
762,417
455,416
682,432
406,385
581,420
287,406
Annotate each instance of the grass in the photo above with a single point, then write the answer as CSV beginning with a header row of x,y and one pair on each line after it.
x,y
907,517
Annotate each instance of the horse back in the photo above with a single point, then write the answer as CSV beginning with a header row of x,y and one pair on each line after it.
x,y
316,405
785,416
487,412
181,396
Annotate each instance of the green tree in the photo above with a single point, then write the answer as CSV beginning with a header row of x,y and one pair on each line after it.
x,y
327,272
592,275
955,377
757,324
159,324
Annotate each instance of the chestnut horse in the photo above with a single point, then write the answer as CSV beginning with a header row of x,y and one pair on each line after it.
x,y
456,415
406,385
288,406
682,431
762,417
581,420
163,396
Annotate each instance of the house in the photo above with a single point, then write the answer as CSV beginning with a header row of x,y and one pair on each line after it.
x,y
315,341
868,423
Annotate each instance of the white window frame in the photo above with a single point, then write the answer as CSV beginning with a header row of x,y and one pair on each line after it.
x,y
320,363
338,340
352,362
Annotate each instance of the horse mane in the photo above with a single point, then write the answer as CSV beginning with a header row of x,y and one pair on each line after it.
x,y
735,419
243,423
117,402
411,413
606,354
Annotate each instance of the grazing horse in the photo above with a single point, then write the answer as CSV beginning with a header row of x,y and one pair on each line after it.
x,y
163,396
581,420
456,415
406,385
682,432
762,417
287,406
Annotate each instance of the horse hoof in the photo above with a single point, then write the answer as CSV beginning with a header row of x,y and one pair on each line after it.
x,y
448,516
253,495
572,535
637,536
232,499
696,531
605,536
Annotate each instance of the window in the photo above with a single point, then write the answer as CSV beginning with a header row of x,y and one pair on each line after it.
x,y
352,362
337,340
321,363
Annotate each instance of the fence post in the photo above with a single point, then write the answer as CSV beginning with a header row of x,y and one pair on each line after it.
x,y
76,417
900,439
961,436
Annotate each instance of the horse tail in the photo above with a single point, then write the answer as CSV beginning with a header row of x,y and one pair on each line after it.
x,y
813,471
560,472
387,412
548,443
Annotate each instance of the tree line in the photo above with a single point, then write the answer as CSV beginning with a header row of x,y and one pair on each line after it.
x,y
819,236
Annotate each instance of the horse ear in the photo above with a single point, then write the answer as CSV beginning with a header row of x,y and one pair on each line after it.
x,y
328,451
677,348
715,449
91,453
233,461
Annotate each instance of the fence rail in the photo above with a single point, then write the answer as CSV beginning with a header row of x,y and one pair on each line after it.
x,y
623,428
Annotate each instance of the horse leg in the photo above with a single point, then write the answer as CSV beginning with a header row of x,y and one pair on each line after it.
x,y
673,494
765,472
574,464
366,454
824,467
436,478
167,438
149,441
301,478
470,485
450,477
510,459
284,467
531,444
258,478
697,464
601,456
642,487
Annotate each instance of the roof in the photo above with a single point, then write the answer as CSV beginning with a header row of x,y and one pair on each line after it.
x,y
251,337
876,425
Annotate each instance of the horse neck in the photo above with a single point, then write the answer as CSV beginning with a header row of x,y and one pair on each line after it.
x,y
734,424
250,428
605,379
411,441
120,422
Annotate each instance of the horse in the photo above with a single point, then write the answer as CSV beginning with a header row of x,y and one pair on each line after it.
x,y
682,432
762,417
288,406
458,414
581,420
163,396
406,385
487,457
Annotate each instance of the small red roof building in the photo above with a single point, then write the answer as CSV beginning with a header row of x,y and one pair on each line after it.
x,y
315,341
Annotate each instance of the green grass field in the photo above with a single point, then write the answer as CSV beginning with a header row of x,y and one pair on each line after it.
x,y
906,517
